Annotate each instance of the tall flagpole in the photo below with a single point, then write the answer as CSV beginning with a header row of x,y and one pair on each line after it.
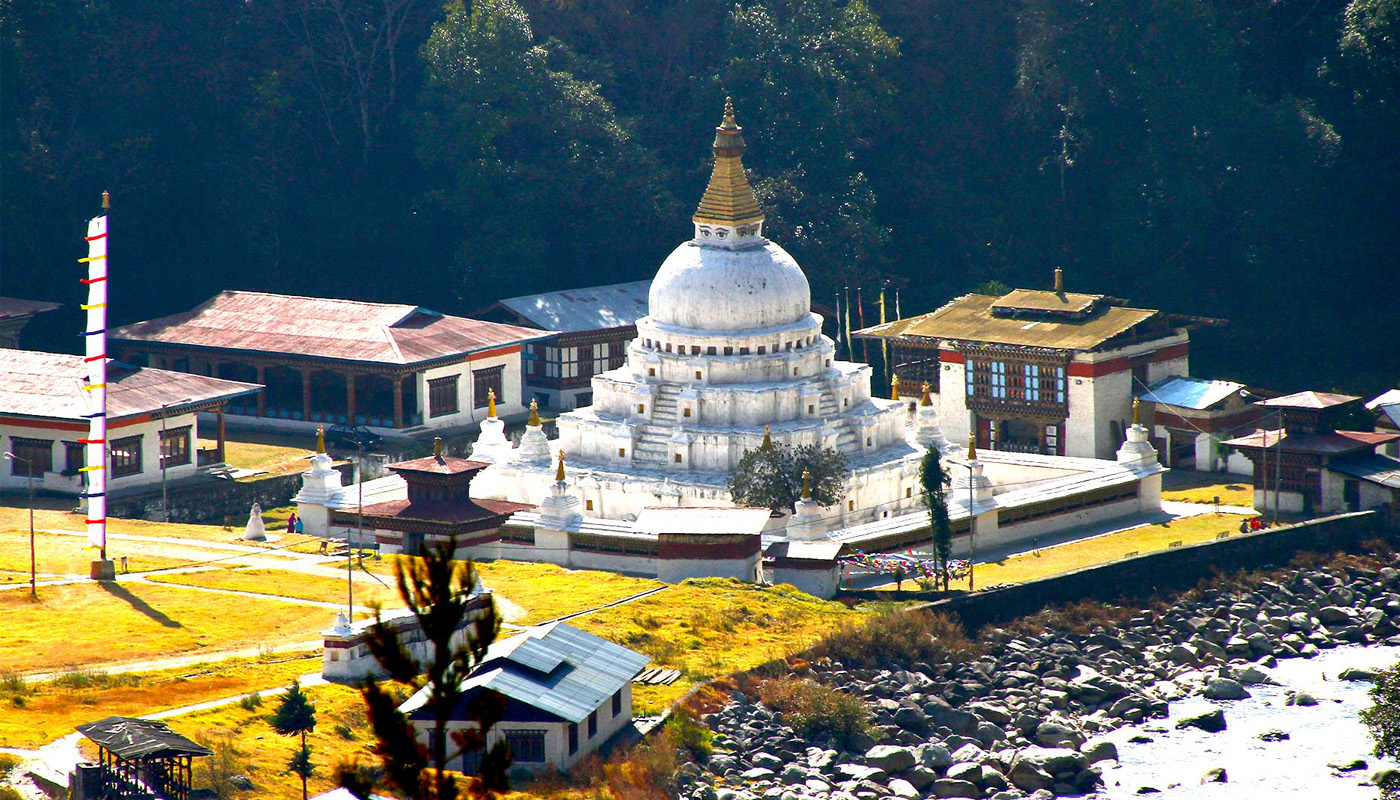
x,y
95,385
884,342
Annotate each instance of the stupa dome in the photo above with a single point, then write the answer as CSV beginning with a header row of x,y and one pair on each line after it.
x,y
718,288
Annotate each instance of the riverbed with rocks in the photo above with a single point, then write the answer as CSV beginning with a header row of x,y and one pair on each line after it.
x,y
1212,691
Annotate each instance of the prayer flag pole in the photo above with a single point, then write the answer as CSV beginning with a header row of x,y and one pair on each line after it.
x,y
95,385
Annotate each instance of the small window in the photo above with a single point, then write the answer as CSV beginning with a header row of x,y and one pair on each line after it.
x,y
486,382
762,350
743,351
678,458
651,371
828,362
695,349
573,738
588,505
621,452
175,447
850,505
729,351
126,456
617,702
593,724
845,401
442,396
685,412
33,456
698,376
811,409
908,492
794,371
526,747
641,408
709,351
668,347
867,441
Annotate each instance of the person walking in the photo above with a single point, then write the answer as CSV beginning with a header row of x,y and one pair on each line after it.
x,y
292,523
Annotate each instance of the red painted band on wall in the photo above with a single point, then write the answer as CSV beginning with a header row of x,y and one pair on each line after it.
x,y
951,357
1079,369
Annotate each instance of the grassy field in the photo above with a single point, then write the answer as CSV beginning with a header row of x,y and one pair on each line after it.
x,y
547,591
285,583
713,626
46,711
92,624
57,514
266,452
62,555
1101,549
261,753
1203,487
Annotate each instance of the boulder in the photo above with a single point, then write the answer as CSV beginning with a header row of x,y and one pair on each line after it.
x,y
1212,721
768,760
1216,775
934,755
1099,749
901,788
756,774
1225,689
968,752
1254,676
890,758
1028,777
966,771
920,776
946,787
911,719
954,719
1334,615
1053,734
1358,674
1385,777
1053,760
860,772
1273,735
1347,765
991,712
1300,699
241,782
793,774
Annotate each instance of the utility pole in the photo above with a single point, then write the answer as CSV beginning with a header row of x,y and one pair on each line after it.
x,y
1278,465
29,474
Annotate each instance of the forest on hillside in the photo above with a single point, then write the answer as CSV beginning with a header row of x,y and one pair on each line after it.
x,y
1226,158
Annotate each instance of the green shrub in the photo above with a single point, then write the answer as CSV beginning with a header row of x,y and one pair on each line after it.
x,y
250,701
815,709
83,678
897,638
690,734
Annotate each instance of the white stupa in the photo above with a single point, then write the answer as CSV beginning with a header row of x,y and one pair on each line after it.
x,y
730,346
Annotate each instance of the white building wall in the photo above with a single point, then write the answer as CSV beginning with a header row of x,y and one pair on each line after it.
x,y
953,416
675,570
822,583
56,481
508,404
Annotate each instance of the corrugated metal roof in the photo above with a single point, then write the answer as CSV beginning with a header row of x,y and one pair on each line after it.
x,y
11,307
1334,443
1390,397
347,330
1192,393
806,551
556,668
48,385
1374,468
703,520
1309,400
969,318
588,309
129,737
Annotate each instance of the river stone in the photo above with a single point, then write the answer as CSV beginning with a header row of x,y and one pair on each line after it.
x,y
1358,674
991,712
1385,777
1300,699
920,776
902,788
793,774
768,760
1051,734
1099,749
756,774
1273,735
934,755
1348,765
704,792
1216,775
1253,675
890,758
946,787
860,772
1053,760
817,785
911,719
1211,721
1028,777
954,719
965,771
1225,689
1334,615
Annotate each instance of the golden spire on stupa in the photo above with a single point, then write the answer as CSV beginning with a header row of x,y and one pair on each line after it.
x,y
925,400
559,472
728,199
491,403
534,414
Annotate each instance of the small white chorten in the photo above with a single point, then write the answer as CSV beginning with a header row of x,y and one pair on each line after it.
x,y
806,523
927,431
256,531
491,445
1137,450
561,509
534,445
981,485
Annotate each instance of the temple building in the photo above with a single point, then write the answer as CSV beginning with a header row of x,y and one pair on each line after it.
x,y
394,368
15,314
1032,371
594,326
729,349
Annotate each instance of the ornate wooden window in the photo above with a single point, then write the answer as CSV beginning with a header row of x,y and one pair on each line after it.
x,y
526,747
442,396
175,447
490,379
126,456
37,455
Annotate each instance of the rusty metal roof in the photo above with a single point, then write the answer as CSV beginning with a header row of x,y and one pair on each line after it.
x,y
439,465
1333,443
48,385
344,330
1313,400
12,307
969,318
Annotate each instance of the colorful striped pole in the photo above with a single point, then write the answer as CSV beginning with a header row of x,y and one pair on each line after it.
x,y
95,381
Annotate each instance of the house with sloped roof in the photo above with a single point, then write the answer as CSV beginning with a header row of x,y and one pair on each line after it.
x,y
1033,371
391,367
1386,408
1191,417
15,313
593,328
566,693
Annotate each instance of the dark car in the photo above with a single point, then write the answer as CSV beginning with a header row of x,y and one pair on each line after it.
x,y
352,436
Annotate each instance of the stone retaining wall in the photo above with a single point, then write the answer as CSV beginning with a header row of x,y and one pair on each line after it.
x,y
1162,571
215,501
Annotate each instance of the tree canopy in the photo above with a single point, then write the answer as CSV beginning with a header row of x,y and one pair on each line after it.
x,y
771,476
1203,157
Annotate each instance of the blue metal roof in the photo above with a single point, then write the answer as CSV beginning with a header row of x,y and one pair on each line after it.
x,y
1192,393
588,309
556,668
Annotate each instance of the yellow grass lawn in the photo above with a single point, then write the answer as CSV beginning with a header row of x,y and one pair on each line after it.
x,y
1102,549
90,624
266,453
547,591
286,583
47,711
341,733
63,555
1204,487
714,626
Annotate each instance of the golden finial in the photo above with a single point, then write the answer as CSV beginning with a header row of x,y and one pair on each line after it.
x,y
728,201
534,413
106,201
972,442
559,472
1059,281
437,447
1135,411
806,484
320,438
767,437
894,386
728,121
491,403
925,400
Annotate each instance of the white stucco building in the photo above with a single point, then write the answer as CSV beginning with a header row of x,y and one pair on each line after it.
x,y
729,349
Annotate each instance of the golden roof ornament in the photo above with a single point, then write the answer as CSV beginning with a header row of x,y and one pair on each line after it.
x,y
1135,411
559,472
925,400
1059,281
728,198
320,439
437,447
806,484
491,403
534,413
767,436
894,386
972,442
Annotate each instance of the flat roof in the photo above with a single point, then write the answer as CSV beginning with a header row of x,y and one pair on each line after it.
x,y
591,308
970,318
702,520
49,386
1040,300
316,327
1193,393
13,307
805,551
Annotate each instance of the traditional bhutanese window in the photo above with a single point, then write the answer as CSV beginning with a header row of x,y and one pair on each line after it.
x,y
617,354
971,379
1033,382
37,455
999,380
617,702
1052,384
490,379
526,747
175,447
568,362
126,456
442,396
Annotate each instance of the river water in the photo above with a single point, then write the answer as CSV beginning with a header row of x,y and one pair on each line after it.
x,y
1331,731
